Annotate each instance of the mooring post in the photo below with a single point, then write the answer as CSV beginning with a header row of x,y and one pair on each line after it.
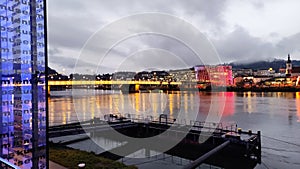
x,y
147,153
259,146
163,116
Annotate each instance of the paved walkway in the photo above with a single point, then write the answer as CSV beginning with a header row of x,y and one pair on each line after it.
x,y
53,165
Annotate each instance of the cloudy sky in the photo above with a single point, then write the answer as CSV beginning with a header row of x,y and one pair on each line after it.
x,y
238,30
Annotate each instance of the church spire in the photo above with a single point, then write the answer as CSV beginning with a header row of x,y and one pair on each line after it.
x,y
288,71
289,59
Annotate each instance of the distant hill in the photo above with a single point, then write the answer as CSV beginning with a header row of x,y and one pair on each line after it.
x,y
275,64
258,65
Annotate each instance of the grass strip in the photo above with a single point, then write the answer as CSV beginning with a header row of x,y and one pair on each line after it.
x,y
70,158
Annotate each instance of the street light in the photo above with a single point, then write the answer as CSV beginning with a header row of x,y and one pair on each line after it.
x,y
81,165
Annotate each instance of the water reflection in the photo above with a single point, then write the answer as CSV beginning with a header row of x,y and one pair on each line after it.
x,y
229,108
298,105
275,114
187,105
66,109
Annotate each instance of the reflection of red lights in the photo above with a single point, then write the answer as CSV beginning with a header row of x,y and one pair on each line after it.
x,y
229,104
298,105
228,98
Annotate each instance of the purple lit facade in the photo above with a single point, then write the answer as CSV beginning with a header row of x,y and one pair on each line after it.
x,y
215,75
23,85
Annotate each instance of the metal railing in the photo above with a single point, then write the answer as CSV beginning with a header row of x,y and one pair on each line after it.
x,y
161,119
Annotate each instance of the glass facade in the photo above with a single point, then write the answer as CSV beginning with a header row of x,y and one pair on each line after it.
x,y
23,85
215,75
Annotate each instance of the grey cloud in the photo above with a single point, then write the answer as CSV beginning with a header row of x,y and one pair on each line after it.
x,y
164,27
69,33
53,51
152,58
174,52
72,65
72,22
258,4
131,52
210,10
124,51
62,62
240,46
290,44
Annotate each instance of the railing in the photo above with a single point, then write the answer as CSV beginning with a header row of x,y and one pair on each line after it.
x,y
196,125
218,127
209,127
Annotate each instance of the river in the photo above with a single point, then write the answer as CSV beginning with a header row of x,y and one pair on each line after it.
x,y
276,115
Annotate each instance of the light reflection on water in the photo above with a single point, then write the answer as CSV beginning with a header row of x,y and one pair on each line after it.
x,y
276,114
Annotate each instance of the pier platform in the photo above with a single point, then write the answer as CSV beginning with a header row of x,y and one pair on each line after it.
x,y
200,142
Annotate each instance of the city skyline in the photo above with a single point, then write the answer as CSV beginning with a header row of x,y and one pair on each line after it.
x,y
240,31
235,65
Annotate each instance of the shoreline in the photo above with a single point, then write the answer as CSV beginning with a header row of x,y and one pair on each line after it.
x,y
264,89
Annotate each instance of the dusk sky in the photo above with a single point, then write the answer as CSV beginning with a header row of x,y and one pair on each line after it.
x,y
240,30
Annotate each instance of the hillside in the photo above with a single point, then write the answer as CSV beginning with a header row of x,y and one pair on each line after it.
x,y
275,64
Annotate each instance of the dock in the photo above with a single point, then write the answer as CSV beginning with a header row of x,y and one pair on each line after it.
x,y
225,146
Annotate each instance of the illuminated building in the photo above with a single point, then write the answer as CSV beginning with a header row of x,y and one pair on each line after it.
x,y
243,72
265,73
23,97
183,75
214,75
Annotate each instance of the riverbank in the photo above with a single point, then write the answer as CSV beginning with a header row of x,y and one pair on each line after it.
x,y
252,89
70,158
264,89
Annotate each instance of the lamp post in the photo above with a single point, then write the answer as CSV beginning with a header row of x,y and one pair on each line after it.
x,y
81,165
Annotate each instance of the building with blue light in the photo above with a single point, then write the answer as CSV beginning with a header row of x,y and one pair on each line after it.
x,y
23,114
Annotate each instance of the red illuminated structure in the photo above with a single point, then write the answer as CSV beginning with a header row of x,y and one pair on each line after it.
x,y
214,75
